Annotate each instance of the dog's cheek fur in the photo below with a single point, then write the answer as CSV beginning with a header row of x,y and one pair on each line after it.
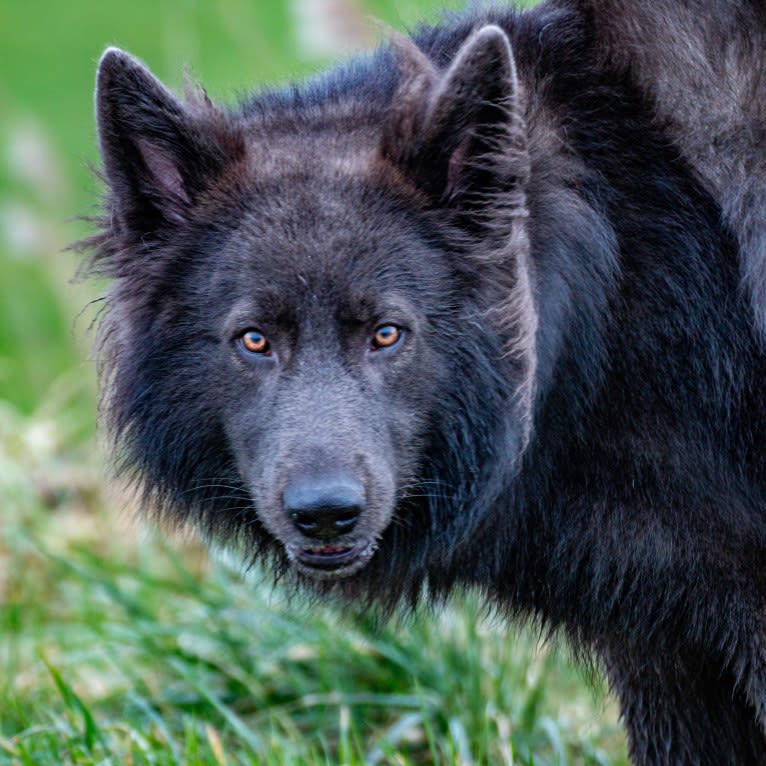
x,y
162,358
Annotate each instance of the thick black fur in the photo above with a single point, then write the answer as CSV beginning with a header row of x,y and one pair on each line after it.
x,y
574,420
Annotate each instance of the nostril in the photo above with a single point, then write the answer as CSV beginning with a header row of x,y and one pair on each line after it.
x,y
308,523
323,508
326,521
347,521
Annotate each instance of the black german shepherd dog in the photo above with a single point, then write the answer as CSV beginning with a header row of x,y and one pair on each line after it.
x,y
485,308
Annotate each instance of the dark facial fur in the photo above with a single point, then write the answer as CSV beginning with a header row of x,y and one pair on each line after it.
x,y
316,238
324,402
569,415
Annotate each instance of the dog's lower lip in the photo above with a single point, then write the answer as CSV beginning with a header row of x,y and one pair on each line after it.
x,y
329,556
331,561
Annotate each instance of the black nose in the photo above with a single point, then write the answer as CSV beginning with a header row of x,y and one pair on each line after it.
x,y
324,507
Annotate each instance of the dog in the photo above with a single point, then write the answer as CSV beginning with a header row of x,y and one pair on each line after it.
x,y
481,309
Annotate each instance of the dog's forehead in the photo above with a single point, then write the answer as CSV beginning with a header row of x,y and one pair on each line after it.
x,y
325,217
302,249
322,223
328,150
317,226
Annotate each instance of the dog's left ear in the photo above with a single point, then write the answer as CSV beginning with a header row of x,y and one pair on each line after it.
x,y
460,135
158,153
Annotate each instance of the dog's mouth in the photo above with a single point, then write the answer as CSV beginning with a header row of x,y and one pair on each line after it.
x,y
330,561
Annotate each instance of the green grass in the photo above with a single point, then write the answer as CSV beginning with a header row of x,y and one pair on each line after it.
x,y
118,648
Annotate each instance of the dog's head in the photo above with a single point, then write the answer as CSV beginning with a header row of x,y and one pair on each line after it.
x,y
320,333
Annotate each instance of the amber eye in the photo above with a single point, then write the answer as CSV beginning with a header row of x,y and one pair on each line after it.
x,y
255,342
386,336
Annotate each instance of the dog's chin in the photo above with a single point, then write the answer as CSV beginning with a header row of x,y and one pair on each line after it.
x,y
330,561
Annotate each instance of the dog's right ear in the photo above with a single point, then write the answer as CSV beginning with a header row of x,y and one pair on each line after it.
x,y
158,153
